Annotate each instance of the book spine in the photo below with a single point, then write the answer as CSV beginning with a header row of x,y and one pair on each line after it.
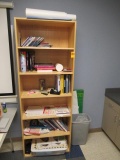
x,y
31,40
62,125
58,83
69,82
62,83
54,124
27,41
23,61
66,84
47,121
58,125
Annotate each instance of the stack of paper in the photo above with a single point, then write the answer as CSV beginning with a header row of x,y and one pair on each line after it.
x,y
34,111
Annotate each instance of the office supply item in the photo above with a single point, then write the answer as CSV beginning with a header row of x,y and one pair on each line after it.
x,y
42,84
23,61
59,67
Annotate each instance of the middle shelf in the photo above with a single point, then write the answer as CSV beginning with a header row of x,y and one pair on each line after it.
x,y
50,134
37,94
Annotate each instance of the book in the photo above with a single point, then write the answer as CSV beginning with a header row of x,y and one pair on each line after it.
x,y
38,41
58,83
34,111
29,131
24,42
58,126
62,109
35,131
43,70
66,84
47,121
45,124
30,41
54,124
31,60
62,83
61,125
69,82
45,44
27,41
49,110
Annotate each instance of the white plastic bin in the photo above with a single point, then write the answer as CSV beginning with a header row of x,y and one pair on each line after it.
x,y
80,128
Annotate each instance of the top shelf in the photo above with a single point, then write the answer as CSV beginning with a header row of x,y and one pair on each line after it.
x,y
59,34
45,48
42,22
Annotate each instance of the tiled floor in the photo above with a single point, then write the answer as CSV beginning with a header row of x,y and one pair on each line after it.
x,y
98,147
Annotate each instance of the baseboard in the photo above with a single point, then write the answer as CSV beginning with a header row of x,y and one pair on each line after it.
x,y
95,130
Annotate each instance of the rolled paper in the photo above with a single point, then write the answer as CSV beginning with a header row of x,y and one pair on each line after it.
x,y
59,67
46,14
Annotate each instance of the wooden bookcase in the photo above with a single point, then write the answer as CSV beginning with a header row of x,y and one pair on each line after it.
x,y
62,36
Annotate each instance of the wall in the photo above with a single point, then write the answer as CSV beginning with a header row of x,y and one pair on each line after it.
x,y
97,47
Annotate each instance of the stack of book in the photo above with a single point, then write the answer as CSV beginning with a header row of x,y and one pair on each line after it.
x,y
29,58
34,127
45,44
56,124
44,67
63,83
32,41
56,110
42,126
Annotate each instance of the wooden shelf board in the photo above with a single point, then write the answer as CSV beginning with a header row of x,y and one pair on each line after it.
x,y
45,48
26,95
24,117
30,155
42,73
50,134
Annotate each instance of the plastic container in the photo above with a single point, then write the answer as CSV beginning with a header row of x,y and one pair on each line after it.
x,y
80,128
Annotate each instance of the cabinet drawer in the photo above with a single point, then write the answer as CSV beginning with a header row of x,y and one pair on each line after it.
x,y
112,104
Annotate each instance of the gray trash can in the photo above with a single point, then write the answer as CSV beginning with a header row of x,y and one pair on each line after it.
x,y
80,128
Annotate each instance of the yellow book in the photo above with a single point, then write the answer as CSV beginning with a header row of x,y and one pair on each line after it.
x,y
62,83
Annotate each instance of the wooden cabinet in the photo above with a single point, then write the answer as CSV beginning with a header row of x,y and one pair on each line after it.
x,y
111,121
62,36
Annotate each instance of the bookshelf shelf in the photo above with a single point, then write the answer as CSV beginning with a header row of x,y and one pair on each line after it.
x,y
61,35
26,95
43,73
50,134
24,117
45,48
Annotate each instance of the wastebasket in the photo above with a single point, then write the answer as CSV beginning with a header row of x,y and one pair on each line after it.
x,y
80,128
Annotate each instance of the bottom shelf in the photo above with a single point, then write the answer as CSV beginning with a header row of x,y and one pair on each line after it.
x,y
46,146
